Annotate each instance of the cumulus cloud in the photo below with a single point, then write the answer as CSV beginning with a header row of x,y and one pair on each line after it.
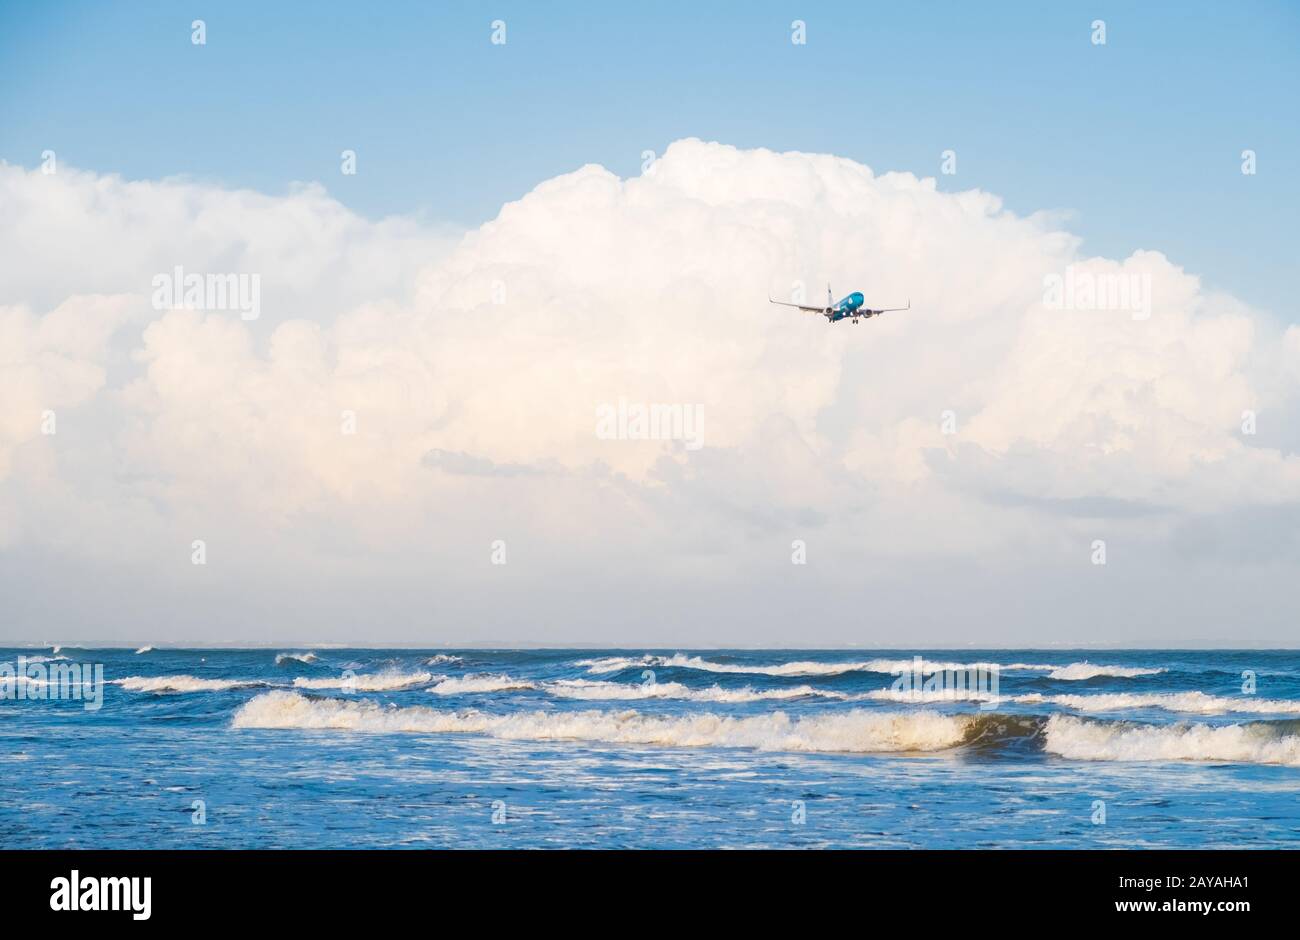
x,y
407,397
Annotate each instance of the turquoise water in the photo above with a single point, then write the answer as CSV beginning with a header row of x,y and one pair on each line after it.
x,y
649,749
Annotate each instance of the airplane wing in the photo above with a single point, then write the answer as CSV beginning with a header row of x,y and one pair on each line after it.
x,y
892,309
798,306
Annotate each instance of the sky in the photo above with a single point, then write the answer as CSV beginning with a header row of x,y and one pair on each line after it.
x,y
592,212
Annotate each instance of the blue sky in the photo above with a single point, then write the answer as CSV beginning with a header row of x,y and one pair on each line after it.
x,y
1068,424
1140,139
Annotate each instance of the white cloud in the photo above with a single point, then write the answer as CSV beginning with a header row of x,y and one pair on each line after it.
x,y
475,419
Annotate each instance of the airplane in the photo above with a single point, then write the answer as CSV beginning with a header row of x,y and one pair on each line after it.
x,y
850,308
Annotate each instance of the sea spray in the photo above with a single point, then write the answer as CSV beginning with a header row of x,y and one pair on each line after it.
x,y
854,731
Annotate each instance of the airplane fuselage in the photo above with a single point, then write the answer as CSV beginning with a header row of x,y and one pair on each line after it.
x,y
846,307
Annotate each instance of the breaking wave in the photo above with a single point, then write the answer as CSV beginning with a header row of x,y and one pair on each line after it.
x,y
8,683
144,649
618,663
854,731
375,682
931,696
1191,702
451,685
442,659
1258,742
184,684
799,668
1086,670
282,658
625,691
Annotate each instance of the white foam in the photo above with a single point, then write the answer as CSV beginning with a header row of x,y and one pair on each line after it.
x,y
374,682
144,649
37,682
626,691
853,731
797,668
1086,670
182,683
931,696
929,666
1191,702
1082,739
451,685
617,663
282,658
442,659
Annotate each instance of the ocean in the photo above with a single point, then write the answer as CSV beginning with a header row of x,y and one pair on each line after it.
x,y
384,748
